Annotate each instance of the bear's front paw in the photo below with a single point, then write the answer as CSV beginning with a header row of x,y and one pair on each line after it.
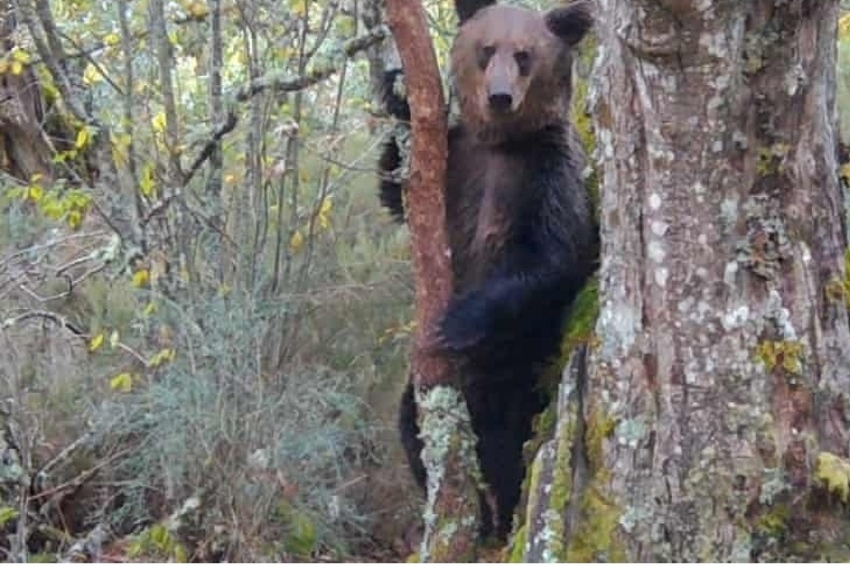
x,y
465,325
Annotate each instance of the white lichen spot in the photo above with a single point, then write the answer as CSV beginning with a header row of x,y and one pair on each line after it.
x,y
686,304
703,308
655,251
794,77
714,103
729,210
548,535
630,432
670,83
618,329
730,272
781,315
606,142
632,516
702,239
701,272
659,227
654,201
704,7
661,275
805,253
735,318
660,153
740,139
714,44
717,146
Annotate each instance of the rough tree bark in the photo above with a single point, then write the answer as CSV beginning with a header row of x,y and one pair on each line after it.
x,y
25,150
451,514
710,422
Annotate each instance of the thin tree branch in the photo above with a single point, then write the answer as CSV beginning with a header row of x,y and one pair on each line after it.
x,y
290,84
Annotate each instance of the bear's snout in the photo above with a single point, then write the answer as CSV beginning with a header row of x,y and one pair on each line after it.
x,y
500,101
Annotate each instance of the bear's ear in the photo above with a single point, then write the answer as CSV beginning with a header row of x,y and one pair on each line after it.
x,y
467,8
571,22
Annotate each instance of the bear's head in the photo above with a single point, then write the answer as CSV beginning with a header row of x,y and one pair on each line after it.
x,y
511,66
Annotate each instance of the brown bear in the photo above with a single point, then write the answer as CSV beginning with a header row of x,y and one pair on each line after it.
x,y
521,228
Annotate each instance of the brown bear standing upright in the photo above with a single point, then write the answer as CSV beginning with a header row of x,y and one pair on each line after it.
x,y
523,236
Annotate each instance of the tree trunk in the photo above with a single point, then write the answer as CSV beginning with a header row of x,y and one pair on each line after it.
x,y
711,420
25,152
451,515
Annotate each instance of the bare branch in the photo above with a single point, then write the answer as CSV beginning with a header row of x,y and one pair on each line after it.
x,y
290,84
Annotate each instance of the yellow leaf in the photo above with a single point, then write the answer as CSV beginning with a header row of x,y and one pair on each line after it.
x,y
122,382
327,206
197,9
296,242
7,514
141,278
181,556
16,67
75,219
844,27
299,7
845,171
147,184
111,39
159,122
96,342
114,338
21,56
164,355
325,213
82,138
120,148
35,193
150,309
92,75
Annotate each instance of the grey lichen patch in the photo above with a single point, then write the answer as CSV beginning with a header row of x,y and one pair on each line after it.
x,y
795,77
767,243
551,484
632,516
445,428
631,432
539,491
781,316
773,484
757,47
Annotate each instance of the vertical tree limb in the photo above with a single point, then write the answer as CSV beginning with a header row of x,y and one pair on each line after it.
x,y
451,519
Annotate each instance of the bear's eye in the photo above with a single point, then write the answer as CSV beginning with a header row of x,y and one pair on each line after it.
x,y
523,61
484,56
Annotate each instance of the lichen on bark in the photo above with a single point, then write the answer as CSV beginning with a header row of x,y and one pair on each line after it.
x,y
720,364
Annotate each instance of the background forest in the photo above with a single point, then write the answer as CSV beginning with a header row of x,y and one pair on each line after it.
x,y
204,313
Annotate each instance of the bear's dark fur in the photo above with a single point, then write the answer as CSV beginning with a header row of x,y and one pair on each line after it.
x,y
523,236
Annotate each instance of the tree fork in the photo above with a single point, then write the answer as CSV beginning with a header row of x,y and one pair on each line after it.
x,y
451,514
